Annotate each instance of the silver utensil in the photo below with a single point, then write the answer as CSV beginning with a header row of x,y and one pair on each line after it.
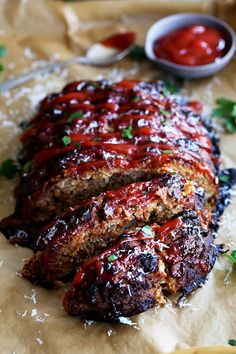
x,y
95,56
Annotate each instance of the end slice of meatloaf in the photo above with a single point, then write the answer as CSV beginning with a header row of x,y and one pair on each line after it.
x,y
80,234
96,136
142,268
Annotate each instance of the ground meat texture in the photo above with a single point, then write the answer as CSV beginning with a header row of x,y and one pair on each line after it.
x,y
142,268
81,233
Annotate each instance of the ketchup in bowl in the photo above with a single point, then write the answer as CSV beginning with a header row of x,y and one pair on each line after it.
x,y
193,45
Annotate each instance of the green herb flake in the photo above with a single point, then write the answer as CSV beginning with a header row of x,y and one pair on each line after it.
x,y
112,258
167,151
1,67
28,166
137,52
74,115
145,192
9,168
97,138
232,342
78,145
66,140
136,98
226,111
170,87
127,132
225,178
164,122
232,256
147,230
3,51
164,112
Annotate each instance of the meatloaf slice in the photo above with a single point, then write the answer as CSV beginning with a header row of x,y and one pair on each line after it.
x,y
142,268
83,232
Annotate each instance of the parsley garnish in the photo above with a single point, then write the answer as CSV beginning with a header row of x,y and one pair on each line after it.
x,y
170,87
164,122
66,140
226,110
29,165
147,230
136,98
112,258
1,67
167,151
74,115
97,138
137,52
164,112
232,342
225,178
78,145
232,256
127,132
3,51
9,168
145,192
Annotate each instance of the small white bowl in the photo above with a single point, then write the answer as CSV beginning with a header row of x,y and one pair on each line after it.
x,y
173,22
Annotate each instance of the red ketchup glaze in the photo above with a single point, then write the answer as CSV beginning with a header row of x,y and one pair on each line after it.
x,y
151,243
191,46
97,136
119,41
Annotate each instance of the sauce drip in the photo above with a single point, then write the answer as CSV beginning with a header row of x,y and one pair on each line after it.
x,y
191,46
120,41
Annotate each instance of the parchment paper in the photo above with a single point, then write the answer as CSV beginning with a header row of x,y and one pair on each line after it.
x,y
31,318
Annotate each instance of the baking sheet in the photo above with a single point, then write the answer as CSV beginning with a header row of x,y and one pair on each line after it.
x,y
31,318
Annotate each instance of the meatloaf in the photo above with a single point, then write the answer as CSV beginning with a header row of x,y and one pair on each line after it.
x,y
98,136
119,188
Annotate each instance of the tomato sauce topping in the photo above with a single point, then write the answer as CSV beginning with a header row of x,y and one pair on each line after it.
x,y
191,46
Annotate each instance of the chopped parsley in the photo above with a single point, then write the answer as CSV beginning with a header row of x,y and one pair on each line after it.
x,y
147,230
66,140
232,256
9,168
127,132
29,165
112,258
170,87
167,151
164,122
226,111
3,51
136,98
78,145
145,191
232,342
225,178
97,138
137,52
75,115
164,112
1,67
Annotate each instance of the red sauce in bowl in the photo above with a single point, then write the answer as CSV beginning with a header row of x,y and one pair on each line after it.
x,y
191,46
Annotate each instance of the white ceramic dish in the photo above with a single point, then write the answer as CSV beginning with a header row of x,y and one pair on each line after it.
x,y
173,22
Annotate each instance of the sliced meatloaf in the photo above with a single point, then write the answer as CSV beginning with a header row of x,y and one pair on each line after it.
x,y
142,268
97,136
81,233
